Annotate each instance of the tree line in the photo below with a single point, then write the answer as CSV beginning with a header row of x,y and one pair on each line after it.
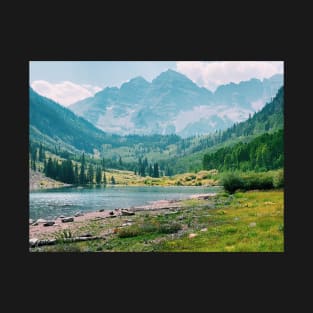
x,y
265,152
65,171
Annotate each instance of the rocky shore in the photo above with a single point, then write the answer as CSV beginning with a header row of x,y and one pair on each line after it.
x,y
41,230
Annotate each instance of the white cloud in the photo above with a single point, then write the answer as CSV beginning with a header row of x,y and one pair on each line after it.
x,y
65,92
213,74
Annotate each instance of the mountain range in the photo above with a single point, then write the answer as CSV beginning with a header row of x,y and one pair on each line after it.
x,y
173,104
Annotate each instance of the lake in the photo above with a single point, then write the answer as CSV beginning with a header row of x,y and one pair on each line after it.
x,y
51,203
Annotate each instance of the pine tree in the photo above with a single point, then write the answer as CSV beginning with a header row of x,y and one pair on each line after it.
x,y
104,179
156,170
70,175
44,166
98,175
76,175
82,176
90,174
112,180
41,153
150,171
50,169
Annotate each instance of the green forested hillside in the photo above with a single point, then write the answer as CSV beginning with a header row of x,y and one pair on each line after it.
x,y
266,152
49,119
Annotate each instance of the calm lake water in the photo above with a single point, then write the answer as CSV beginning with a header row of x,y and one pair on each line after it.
x,y
51,203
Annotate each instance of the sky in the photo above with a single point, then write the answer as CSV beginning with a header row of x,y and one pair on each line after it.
x,y
69,81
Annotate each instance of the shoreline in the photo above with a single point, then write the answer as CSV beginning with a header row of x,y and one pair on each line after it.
x,y
40,231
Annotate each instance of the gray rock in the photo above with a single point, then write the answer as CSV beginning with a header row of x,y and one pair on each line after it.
x,y
67,219
127,213
111,216
49,223
41,220
78,214
33,242
61,216
204,229
101,210
126,224
253,224
31,221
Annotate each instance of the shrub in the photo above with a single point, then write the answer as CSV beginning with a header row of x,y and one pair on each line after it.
x,y
278,179
169,228
258,181
232,182
126,232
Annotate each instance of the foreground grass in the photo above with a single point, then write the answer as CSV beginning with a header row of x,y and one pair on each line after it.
x,y
243,222
252,222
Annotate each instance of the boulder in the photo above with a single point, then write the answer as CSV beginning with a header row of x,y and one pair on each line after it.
x,y
101,210
31,221
49,223
67,219
111,216
127,213
33,242
61,216
78,214
41,220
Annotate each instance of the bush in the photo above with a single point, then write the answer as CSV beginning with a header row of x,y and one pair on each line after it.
x,y
169,228
232,182
258,181
126,232
278,179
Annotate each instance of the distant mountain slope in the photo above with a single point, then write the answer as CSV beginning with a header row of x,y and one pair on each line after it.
x,y
172,103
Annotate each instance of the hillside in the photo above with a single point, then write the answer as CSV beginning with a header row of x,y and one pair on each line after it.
x,y
265,152
269,119
49,119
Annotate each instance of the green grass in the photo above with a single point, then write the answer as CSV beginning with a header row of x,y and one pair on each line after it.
x,y
232,233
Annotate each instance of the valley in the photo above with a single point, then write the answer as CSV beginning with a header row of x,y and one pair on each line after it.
x,y
156,141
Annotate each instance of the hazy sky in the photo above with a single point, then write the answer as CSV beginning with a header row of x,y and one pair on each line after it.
x,y
69,81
